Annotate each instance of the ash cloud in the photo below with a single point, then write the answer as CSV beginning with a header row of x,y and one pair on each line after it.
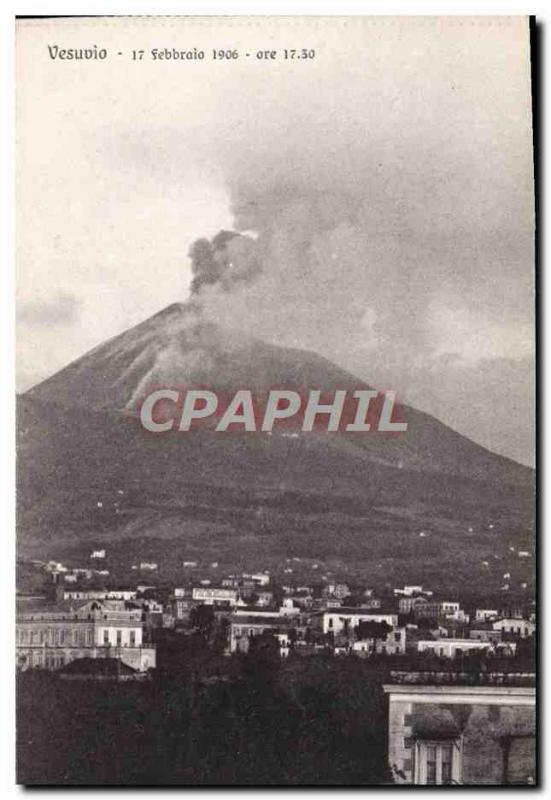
x,y
226,260
401,248
63,309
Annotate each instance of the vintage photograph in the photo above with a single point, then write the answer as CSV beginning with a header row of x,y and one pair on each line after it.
x,y
275,335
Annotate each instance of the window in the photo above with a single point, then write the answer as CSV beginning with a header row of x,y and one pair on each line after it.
x,y
132,638
431,764
105,636
446,764
119,638
438,763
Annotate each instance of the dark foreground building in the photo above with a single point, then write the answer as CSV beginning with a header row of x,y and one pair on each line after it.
x,y
462,728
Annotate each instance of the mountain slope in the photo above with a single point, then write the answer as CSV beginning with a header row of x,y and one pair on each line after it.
x,y
176,348
87,472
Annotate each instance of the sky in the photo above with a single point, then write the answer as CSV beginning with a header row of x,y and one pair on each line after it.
x,y
384,187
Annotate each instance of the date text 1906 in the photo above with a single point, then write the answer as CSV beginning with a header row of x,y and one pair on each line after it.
x,y
222,54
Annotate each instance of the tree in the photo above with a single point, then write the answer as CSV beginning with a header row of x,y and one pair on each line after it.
x,y
263,661
373,631
201,618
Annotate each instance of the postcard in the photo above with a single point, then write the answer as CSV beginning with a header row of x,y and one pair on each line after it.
x,y
275,401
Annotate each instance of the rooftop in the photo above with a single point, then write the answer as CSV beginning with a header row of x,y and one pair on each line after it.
x,y
362,610
113,667
276,621
433,677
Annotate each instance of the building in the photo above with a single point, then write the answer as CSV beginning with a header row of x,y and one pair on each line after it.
x,y
393,644
458,615
515,626
461,728
100,669
449,648
289,608
342,620
338,590
243,627
99,594
485,633
255,611
485,614
215,595
433,609
263,597
408,603
257,578
50,636
411,591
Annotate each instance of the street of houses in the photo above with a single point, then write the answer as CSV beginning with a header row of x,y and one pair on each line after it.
x,y
461,687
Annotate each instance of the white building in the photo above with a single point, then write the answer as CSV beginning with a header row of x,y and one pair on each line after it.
x,y
215,595
341,620
99,594
486,613
260,578
514,626
409,591
458,615
50,636
288,608
448,648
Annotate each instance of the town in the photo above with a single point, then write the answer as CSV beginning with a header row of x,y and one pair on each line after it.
x,y
422,651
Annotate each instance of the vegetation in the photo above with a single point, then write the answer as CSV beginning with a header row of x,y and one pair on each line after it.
x,y
308,721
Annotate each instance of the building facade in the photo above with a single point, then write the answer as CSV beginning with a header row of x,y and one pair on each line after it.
x,y
215,595
461,729
515,626
342,620
449,648
50,637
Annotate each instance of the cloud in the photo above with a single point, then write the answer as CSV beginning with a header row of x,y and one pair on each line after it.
x,y
389,188
61,310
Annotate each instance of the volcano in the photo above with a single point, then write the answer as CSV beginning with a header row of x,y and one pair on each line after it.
x,y
87,471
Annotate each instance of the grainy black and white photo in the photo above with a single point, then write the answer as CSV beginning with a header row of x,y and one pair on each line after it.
x,y
275,401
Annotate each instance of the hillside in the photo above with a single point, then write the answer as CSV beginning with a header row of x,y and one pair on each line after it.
x,y
88,472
